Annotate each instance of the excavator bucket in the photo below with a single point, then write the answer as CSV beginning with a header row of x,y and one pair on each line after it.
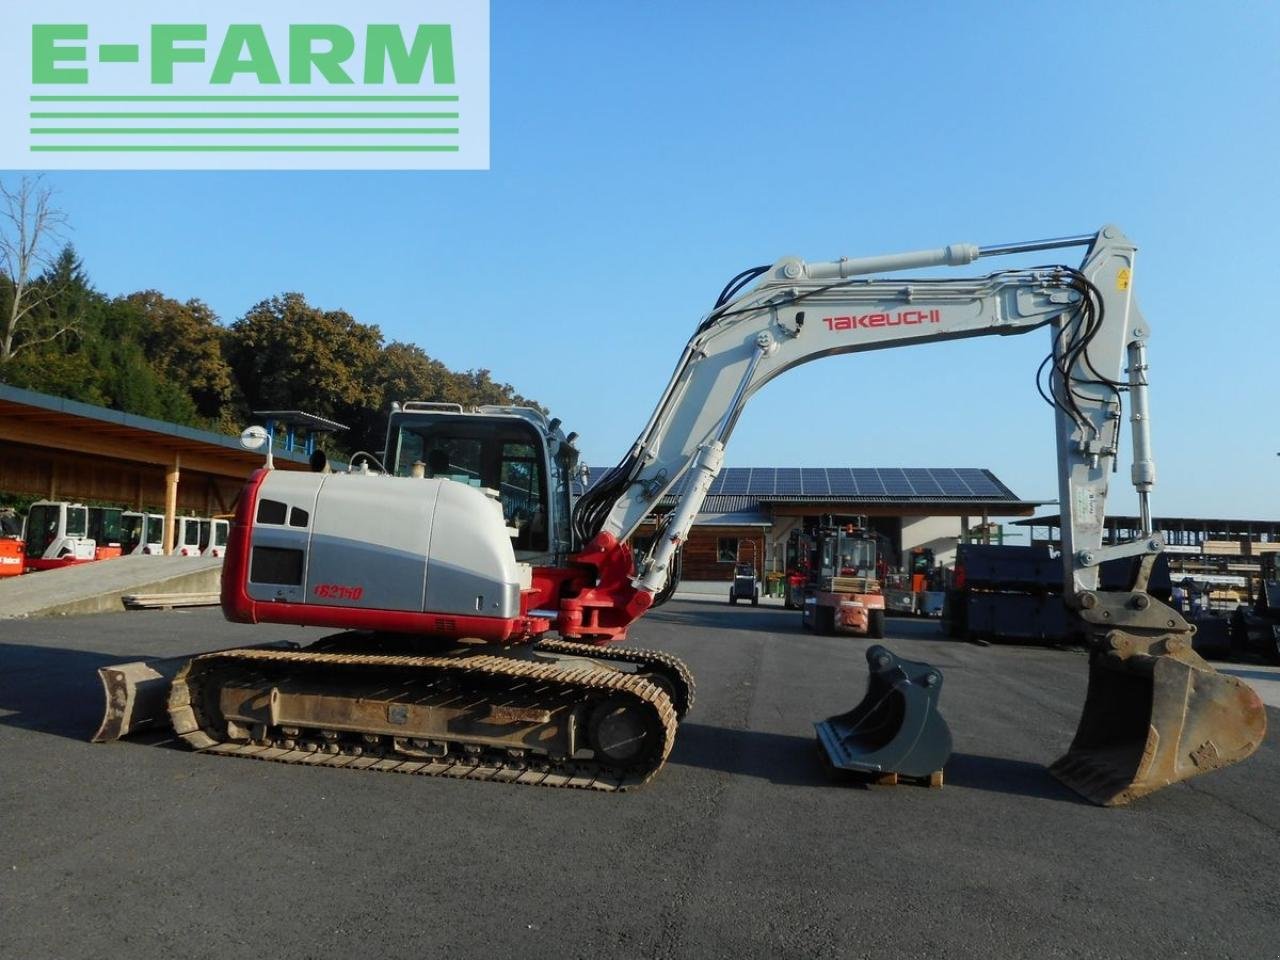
x,y
137,694
896,729
1156,713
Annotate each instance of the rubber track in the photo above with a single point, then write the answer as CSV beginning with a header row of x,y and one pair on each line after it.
x,y
493,765
684,698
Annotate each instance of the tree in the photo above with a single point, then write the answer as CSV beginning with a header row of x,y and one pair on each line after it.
x,y
29,223
288,355
183,344
61,366
405,371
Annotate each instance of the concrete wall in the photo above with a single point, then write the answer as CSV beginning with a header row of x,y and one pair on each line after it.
x,y
940,534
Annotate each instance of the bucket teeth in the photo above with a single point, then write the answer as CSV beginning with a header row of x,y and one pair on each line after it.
x,y
896,728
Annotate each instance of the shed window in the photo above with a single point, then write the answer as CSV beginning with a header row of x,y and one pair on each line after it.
x,y
727,550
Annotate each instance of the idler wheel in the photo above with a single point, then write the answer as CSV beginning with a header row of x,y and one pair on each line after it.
x,y
620,730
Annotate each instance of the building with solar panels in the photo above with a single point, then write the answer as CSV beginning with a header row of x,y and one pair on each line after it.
x,y
750,512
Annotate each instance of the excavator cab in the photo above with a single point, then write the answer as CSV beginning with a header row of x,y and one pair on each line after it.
x,y
502,449
57,535
104,531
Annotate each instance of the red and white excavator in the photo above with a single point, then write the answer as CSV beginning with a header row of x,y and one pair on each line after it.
x,y
56,534
480,597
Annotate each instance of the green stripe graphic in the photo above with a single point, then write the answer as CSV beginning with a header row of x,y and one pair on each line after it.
x,y
233,130
244,148
224,98
243,115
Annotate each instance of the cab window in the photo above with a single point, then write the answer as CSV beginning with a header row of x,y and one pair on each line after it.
x,y
521,493
502,455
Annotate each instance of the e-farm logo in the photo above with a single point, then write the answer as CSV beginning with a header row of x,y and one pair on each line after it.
x,y
239,85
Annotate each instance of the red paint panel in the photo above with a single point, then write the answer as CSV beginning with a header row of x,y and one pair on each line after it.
x,y
495,629
237,606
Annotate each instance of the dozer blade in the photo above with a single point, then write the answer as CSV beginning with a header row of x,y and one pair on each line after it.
x,y
896,728
136,696
1156,713
137,693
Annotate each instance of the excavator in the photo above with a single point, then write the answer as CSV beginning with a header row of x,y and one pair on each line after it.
x,y
480,600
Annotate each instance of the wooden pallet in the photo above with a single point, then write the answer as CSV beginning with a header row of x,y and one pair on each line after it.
x,y
167,601
933,780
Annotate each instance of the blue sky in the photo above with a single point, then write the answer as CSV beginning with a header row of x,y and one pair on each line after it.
x,y
644,153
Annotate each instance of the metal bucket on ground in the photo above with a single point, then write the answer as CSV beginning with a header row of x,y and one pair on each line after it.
x,y
896,729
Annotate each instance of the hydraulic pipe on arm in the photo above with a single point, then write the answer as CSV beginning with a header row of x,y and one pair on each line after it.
x,y
1156,713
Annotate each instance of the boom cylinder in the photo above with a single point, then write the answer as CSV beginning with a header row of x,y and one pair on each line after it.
x,y
705,468
1144,466
953,255
703,471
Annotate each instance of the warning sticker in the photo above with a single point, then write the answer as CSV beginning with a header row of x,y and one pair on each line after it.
x,y
1086,507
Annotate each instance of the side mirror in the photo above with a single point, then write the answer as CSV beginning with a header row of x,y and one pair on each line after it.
x,y
254,438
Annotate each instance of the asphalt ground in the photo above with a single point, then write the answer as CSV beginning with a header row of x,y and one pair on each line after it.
x,y
740,848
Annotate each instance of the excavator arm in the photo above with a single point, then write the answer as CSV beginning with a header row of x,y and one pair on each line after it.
x,y
1155,712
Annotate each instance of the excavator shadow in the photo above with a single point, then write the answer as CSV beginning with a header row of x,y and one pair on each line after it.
x,y
719,615
794,761
777,621
1019,778
55,690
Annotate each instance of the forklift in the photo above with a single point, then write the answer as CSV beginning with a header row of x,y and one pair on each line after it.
x,y
843,592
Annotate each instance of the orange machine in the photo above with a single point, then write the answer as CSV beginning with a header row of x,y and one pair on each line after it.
x,y
843,593
10,557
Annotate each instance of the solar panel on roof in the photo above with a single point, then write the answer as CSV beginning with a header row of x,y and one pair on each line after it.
x,y
868,481
893,482
844,482
841,481
979,482
763,482
788,482
734,481
922,480
815,482
950,482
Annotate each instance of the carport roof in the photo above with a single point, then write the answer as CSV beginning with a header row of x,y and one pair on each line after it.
x,y
28,416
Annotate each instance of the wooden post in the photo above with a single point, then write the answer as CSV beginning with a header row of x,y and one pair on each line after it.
x,y
171,503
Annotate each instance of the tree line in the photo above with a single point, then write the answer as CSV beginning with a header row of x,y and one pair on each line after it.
x,y
153,355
